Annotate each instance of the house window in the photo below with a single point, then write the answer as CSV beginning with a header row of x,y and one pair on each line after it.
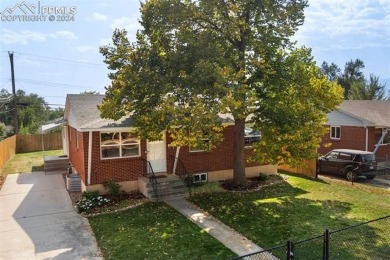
x,y
202,146
251,137
335,132
378,135
200,177
119,145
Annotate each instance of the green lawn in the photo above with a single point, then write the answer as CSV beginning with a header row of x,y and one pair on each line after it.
x,y
299,208
25,163
28,162
154,231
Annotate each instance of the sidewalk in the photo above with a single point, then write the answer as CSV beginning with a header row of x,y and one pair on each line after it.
x,y
227,236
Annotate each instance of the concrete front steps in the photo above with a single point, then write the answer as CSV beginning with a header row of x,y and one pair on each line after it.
x,y
56,163
169,186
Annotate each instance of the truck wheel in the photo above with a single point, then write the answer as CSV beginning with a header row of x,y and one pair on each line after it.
x,y
351,175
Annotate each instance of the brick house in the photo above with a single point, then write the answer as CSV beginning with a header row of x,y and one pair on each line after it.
x,y
101,149
361,125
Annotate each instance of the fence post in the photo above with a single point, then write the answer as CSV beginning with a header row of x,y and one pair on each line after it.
x,y
290,250
325,251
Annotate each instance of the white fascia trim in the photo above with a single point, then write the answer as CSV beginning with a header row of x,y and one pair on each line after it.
x,y
107,129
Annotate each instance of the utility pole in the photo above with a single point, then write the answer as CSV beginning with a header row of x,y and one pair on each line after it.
x,y
16,125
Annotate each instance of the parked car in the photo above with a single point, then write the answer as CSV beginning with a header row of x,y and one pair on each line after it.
x,y
350,163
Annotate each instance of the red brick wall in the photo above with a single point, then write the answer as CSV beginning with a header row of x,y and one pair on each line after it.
x,y
383,152
77,156
120,169
220,158
130,169
352,137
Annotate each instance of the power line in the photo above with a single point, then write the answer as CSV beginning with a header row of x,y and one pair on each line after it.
x,y
59,60
53,84
6,99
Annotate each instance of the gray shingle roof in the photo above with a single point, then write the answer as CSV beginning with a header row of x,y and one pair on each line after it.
x,y
82,112
375,111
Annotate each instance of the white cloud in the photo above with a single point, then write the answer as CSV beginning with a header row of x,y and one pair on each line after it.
x,y
63,34
26,36
21,37
346,24
97,17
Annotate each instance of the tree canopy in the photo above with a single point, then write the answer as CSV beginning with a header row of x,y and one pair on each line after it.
x,y
33,111
194,60
352,79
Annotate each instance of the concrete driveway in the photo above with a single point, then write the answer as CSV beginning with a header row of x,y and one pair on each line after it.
x,y
37,220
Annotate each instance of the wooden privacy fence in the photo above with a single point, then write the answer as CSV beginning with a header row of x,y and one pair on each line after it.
x,y
38,142
309,170
7,150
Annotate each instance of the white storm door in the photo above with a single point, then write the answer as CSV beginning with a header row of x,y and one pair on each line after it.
x,y
156,155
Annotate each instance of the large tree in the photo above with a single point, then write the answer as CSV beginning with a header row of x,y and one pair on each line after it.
x,y
370,89
194,60
32,109
352,79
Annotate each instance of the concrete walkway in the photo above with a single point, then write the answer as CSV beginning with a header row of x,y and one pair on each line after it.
x,y
37,220
227,236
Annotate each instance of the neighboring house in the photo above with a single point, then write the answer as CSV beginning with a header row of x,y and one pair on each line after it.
x,y
361,125
101,149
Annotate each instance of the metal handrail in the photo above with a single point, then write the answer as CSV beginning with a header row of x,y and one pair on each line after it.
x,y
184,175
152,178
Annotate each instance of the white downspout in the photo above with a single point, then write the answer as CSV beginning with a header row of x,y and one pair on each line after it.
x,y
89,156
176,159
366,138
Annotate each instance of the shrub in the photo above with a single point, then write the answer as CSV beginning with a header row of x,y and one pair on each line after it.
x,y
113,188
263,177
91,200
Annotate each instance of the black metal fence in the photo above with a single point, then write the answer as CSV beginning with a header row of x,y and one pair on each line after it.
x,y
368,240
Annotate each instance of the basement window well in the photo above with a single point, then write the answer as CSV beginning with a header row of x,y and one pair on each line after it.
x,y
200,177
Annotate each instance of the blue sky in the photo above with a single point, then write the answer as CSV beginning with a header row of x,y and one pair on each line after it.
x,y
53,58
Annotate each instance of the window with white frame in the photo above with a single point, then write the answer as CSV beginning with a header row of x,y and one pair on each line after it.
x,y
335,132
119,145
251,136
200,177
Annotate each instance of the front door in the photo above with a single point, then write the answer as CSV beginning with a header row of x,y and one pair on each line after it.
x,y
156,155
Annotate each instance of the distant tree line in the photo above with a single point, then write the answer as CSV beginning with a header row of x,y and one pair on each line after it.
x,y
356,86
33,111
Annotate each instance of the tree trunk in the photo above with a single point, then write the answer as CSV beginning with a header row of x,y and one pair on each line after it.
x,y
239,177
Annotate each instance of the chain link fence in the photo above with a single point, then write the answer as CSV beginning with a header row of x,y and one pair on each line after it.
x,y
368,240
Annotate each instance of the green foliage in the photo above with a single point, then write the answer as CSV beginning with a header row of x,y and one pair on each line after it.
x,y
91,200
292,109
263,177
355,84
113,188
33,111
3,132
195,60
369,89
